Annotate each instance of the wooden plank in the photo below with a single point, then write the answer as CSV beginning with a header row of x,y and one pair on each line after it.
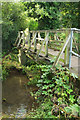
x,y
23,42
75,29
55,44
18,37
34,39
20,40
53,31
55,36
68,49
40,48
46,43
29,42
27,35
75,54
52,56
54,48
66,54
49,54
19,55
42,44
71,41
62,49
56,41
76,44
41,39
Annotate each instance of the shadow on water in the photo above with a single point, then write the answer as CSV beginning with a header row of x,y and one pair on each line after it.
x,y
16,95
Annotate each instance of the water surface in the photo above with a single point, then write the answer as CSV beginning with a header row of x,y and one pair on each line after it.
x,y
16,95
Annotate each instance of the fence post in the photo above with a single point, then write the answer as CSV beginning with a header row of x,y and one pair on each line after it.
x,y
70,54
27,35
19,56
22,57
23,42
55,36
34,39
66,55
46,43
39,35
20,39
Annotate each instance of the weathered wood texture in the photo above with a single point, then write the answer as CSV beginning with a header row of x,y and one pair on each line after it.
x,y
62,50
22,57
45,39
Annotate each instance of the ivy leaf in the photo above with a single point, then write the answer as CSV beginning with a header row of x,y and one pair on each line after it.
x,y
47,81
51,85
40,81
49,113
45,87
44,93
49,90
71,98
69,91
38,85
73,75
68,110
75,109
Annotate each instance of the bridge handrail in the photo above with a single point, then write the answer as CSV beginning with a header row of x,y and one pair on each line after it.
x,y
62,49
22,38
71,42
52,30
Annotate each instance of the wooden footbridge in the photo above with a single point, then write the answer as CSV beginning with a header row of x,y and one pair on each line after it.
x,y
60,43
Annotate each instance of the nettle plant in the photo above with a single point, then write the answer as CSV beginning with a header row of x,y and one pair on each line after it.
x,y
57,84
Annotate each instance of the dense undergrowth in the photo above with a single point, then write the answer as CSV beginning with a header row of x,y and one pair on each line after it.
x,y
58,89
58,93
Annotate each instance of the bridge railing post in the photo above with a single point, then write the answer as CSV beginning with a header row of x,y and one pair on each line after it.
x,y
70,54
27,37
46,43
66,54
20,39
29,42
39,35
34,39
19,56
22,57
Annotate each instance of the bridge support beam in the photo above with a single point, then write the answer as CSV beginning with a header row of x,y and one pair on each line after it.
x,y
22,57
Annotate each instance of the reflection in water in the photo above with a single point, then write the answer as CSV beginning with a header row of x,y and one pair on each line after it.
x,y
17,96
20,81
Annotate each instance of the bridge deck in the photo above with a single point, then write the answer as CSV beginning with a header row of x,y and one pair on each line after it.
x,y
47,41
75,61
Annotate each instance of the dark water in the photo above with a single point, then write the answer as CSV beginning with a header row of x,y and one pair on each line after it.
x,y
16,95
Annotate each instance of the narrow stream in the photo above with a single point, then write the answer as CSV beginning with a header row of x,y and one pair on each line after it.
x,y
16,95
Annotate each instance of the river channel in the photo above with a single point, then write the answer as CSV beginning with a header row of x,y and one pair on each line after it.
x,y
17,100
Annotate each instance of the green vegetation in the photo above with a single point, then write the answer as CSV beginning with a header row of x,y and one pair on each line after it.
x,y
58,93
41,15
